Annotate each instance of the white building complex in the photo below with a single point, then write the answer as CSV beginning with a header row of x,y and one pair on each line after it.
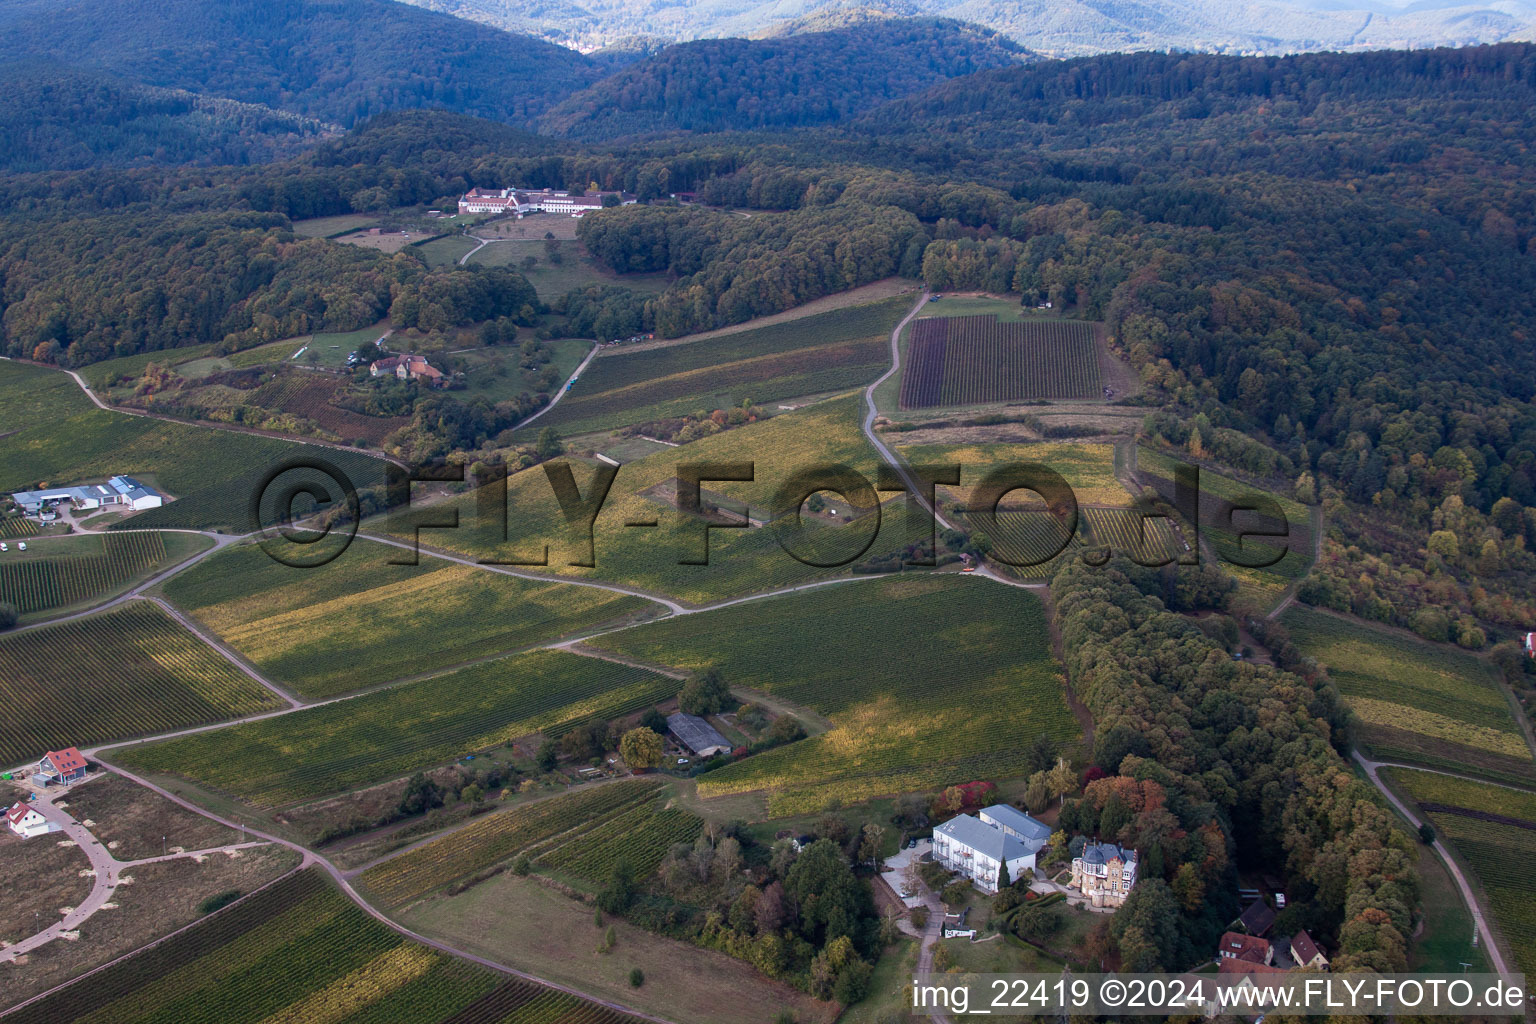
x,y
978,847
547,200
120,490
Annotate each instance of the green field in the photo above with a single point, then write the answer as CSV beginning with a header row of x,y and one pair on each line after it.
x,y
1493,831
575,270
101,375
494,372
69,571
741,561
400,729
324,227
62,439
359,621
879,659
1415,701
299,952
448,249
829,351
1215,485
1089,469
497,838
127,672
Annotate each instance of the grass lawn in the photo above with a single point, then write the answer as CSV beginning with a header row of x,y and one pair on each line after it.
x,y
576,268
359,620
1007,308
494,372
445,251
1421,702
888,998
916,723
1446,940
518,921
324,227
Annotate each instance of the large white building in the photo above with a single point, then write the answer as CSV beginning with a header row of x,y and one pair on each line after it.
x,y
120,490
978,847
548,200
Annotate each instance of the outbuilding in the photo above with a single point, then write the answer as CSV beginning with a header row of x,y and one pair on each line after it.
x,y
703,739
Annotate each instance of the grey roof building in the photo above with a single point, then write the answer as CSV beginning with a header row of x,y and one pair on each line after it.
x,y
1016,823
696,734
978,849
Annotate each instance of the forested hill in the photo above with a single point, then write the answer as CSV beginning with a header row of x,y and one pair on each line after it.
x,y
803,79
336,60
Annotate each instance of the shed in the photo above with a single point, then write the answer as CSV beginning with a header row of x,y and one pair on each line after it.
x,y
697,735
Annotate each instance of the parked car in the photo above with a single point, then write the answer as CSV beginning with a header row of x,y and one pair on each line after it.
x,y
22,545
4,546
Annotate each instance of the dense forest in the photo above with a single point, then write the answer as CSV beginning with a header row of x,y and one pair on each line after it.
x,y
733,84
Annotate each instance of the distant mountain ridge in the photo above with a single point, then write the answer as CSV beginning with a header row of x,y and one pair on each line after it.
x,y
1061,28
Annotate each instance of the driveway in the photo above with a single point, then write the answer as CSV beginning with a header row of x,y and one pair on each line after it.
x,y
894,868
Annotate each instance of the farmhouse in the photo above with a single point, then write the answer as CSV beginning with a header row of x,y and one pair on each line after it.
x,y
26,822
119,490
1248,948
61,767
522,201
703,739
409,367
978,847
1306,952
1257,918
1105,873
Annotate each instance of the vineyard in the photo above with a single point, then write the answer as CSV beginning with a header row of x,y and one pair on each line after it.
x,y
915,723
127,672
1433,788
1089,469
296,951
825,352
38,584
1501,856
975,360
495,838
15,526
392,732
741,561
1417,701
641,835
359,620
523,1002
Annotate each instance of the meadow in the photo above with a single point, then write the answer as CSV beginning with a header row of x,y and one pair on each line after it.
x,y
1215,485
392,732
740,561
878,659
360,620
1417,702
130,671
300,951
1431,789
62,438
975,360
496,838
830,351
576,268
67,571
1500,855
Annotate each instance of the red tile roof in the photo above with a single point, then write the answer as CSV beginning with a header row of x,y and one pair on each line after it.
x,y
1244,947
67,760
1245,967
1304,948
17,812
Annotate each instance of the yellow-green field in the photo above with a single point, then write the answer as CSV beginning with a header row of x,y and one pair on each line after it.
x,y
1089,469
879,659
1416,701
359,620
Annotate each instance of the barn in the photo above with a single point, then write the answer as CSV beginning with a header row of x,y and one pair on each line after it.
x,y
703,739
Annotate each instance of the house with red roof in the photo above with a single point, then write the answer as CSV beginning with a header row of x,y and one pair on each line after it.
x,y
1306,952
409,367
1246,948
62,766
26,822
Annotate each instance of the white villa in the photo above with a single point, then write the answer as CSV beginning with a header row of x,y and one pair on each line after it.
x,y
26,822
978,847
548,200
1105,873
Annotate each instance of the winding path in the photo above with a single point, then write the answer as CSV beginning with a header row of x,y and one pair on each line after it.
x,y
1495,956
564,387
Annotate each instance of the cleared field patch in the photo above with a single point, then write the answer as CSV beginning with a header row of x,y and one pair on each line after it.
x,y
126,672
1417,702
360,620
324,227
392,732
296,951
576,268
496,838
136,822
59,573
447,250
830,351
928,681
975,360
